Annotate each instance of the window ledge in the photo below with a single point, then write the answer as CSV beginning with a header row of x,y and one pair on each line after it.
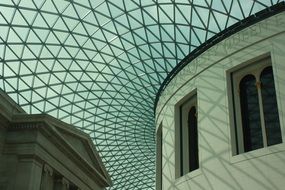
x,y
258,153
188,176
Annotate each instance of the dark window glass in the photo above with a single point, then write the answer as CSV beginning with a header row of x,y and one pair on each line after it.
x,y
270,108
252,133
193,140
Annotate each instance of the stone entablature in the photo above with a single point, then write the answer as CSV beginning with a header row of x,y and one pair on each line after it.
x,y
41,152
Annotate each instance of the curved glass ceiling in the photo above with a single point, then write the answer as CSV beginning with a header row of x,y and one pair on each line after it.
x,y
98,64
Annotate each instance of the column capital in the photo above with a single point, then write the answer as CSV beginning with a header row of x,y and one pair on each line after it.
x,y
48,169
65,182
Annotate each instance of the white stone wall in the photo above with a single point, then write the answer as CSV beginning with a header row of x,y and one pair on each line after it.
x,y
262,169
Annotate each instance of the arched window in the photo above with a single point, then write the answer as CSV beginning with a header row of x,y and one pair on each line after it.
x,y
187,158
193,139
270,108
250,113
255,108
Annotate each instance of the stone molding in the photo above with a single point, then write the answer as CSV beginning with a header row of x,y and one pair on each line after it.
x,y
47,141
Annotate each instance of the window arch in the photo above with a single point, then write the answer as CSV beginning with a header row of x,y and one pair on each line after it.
x,y
255,109
250,113
270,108
186,138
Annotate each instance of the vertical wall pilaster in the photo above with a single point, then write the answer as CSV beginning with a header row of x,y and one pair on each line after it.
x,y
61,184
47,178
28,176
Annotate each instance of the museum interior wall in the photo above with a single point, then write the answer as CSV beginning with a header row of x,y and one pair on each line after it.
x,y
39,152
230,154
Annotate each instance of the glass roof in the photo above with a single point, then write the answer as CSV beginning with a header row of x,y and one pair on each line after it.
x,y
98,64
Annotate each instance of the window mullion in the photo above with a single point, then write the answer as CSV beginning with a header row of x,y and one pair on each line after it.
x,y
264,137
240,134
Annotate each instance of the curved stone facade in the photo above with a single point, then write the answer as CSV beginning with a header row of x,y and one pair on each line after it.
x,y
219,166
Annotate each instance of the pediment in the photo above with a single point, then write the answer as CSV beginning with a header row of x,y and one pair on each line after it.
x,y
83,145
76,141
79,145
55,136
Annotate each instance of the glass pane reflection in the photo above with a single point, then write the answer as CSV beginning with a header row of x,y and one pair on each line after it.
x,y
270,107
252,132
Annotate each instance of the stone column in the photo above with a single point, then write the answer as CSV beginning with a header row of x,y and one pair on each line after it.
x,y
47,178
73,187
61,184
28,176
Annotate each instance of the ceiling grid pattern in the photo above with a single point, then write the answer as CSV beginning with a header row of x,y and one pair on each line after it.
x,y
98,64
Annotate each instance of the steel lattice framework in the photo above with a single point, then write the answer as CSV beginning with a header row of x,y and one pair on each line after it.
x,y
98,64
